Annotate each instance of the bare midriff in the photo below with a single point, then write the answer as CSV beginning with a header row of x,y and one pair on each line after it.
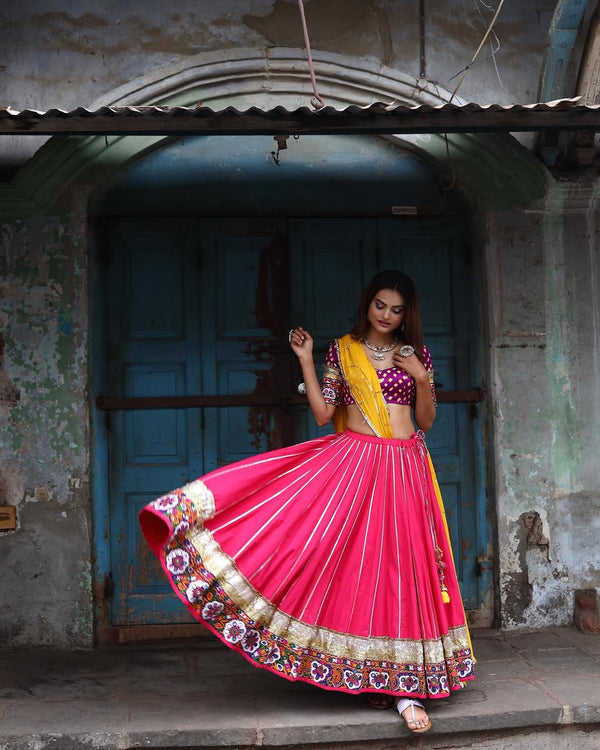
x,y
400,418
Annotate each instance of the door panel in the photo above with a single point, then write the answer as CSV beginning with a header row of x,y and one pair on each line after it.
x,y
194,310
154,436
244,322
151,330
330,259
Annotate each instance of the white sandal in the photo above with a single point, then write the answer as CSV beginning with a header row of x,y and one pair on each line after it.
x,y
402,705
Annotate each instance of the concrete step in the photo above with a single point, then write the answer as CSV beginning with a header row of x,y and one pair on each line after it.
x,y
534,689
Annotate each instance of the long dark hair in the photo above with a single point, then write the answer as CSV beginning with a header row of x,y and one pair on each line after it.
x,y
411,330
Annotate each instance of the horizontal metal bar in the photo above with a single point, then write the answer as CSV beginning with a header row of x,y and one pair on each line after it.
x,y
284,401
189,402
459,397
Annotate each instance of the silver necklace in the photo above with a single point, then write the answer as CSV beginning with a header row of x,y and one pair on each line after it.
x,y
379,352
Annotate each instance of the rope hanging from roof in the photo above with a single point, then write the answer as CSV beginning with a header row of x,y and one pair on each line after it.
x,y
316,101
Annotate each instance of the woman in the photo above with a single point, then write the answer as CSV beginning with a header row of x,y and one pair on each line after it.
x,y
329,561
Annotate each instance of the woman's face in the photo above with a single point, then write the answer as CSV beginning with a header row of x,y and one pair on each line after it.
x,y
386,311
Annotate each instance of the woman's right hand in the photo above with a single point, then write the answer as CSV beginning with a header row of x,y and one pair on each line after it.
x,y
302,343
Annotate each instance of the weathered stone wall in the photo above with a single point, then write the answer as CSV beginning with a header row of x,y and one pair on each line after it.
x,y
57,54
44,444
545,364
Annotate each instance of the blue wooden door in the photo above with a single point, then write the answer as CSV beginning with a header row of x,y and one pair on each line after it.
x,y
244,313
191,309
154,348
197,307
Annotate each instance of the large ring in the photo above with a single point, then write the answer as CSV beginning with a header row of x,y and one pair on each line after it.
x,y
290,334
406,351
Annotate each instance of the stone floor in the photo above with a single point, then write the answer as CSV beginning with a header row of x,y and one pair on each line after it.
x,y
533,689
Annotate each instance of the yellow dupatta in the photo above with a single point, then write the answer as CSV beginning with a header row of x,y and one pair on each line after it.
x,y
365,387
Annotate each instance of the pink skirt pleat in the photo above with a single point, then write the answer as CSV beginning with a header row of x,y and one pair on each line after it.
x,y
318,562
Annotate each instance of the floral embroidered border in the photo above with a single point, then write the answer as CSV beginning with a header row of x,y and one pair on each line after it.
x,y
218,594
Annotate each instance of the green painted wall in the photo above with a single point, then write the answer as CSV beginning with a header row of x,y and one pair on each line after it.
x,y
44,441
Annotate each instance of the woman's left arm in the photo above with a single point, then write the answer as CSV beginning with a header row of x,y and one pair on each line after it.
x,y
424,409
424,406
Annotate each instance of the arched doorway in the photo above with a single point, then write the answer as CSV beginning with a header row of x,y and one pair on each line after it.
x,y
207,252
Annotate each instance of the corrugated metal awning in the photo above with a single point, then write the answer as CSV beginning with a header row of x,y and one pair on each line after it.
x,y
377,118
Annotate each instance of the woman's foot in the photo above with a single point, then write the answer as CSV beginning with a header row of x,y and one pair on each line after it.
x,y
380,700
414,715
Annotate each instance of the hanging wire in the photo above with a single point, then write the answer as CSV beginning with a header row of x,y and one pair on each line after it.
x,y
464,75
491,56
316,101
494,50
478,50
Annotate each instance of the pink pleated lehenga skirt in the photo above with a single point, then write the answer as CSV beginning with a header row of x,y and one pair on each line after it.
x,y
323,562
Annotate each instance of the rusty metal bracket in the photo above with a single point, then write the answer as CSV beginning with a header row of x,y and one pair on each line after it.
x,y
472,395
483,565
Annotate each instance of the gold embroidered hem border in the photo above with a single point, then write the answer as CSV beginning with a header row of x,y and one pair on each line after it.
x,y
342,645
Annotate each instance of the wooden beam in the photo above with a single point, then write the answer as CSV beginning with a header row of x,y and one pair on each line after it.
x,y
376,119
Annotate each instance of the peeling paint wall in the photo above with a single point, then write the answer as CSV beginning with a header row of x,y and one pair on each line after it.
x,y
46,561
67,55
536,237
545,367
